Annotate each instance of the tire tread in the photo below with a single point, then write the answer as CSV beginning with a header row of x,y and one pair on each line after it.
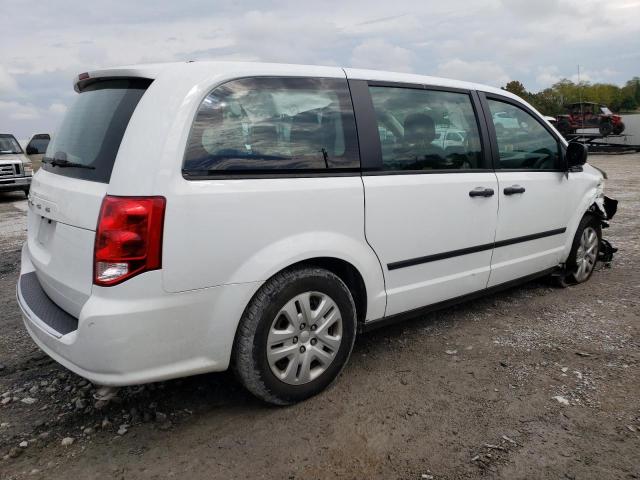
x,y
243,363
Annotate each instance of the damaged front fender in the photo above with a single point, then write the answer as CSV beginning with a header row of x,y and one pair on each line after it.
x,y
605,208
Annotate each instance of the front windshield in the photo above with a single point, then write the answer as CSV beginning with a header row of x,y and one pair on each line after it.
x,y
9,145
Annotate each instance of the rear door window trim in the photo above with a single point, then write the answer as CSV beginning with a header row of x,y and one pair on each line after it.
x,y
369,140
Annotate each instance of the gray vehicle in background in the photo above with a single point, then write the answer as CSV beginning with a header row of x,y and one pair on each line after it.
x,y
15,168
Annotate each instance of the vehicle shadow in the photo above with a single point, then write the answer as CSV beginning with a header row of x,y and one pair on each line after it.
x,y
216,391
179,403
9,197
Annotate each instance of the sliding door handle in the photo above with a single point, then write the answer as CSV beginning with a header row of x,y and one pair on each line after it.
x,y
481,192
513,189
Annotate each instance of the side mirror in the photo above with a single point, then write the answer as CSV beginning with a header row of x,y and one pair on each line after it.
x,y
576,155
31,150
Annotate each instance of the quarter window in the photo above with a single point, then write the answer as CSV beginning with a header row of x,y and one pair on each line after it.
x,y
523,143
426,129
37,145
274,124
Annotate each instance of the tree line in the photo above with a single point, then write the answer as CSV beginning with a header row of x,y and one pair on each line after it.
x,y
551,101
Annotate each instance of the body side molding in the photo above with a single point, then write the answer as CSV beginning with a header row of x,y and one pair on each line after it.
x,y
478,248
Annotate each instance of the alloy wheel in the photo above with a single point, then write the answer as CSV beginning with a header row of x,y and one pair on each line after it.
x,y
587,254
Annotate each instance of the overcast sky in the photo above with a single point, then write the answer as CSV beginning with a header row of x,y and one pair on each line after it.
x,y
44,44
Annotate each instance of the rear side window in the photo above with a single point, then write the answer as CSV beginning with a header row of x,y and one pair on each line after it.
x,y
426,129
274,125
92,129
38,145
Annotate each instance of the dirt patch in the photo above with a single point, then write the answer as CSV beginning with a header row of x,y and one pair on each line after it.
x,y
535,382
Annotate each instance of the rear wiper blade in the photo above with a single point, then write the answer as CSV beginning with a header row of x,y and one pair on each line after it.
x,y
58,162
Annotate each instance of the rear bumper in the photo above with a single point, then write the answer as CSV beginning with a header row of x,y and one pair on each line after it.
x,y
17,183
135,332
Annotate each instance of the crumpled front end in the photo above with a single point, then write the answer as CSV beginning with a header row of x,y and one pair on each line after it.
x,y
605,208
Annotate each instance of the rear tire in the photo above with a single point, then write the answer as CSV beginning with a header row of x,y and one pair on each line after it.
x,y
618,128
605,128
295,335
26,192
582,259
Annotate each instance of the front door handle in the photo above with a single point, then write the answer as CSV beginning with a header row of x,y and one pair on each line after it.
x,y
513,189
481,192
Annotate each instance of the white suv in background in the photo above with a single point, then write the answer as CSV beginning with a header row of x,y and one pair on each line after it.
x,y
190,217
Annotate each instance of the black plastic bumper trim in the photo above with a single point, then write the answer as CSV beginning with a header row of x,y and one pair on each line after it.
x,y
43,307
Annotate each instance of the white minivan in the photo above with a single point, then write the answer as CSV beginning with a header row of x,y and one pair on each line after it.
x,y
192,217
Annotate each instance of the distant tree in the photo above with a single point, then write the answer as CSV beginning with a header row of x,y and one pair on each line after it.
x,y
633,88
551,101
628,104
547,102
517,88
567,91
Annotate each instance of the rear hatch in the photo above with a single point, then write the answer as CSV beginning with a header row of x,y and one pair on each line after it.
x,y
67,192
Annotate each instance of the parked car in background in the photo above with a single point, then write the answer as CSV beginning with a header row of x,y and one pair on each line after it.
x,y
15,168
502,120
583,115
449,138
36,149
195,217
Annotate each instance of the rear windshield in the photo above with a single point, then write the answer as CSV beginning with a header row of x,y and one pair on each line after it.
x,y
93,128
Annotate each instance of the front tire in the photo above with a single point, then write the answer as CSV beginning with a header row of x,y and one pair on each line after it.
x,y
295,335
584,252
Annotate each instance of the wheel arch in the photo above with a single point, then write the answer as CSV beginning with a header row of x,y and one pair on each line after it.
x,y
350,258
349,274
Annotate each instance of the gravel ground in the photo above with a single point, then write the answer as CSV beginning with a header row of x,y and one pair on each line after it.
x,y
535,382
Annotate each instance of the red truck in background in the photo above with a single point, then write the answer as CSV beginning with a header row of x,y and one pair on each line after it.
x,y
589,115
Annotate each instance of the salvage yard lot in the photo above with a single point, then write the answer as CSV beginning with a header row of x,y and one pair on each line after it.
x,y
534,382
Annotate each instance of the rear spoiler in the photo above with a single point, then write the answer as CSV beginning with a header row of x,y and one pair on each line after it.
x,y
84,79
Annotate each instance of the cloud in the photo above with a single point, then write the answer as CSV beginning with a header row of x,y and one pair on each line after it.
x,y
474,71
536,9
7,82
378,54
18,111
490,41
57,108
548,75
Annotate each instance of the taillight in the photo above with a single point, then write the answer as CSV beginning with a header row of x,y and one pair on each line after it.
x,y
128,238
